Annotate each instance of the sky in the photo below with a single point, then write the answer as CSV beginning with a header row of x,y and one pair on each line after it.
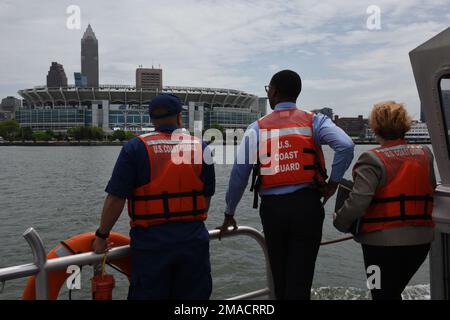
x,y
349,57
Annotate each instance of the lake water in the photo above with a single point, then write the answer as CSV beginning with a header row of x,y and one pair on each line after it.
x,y
59,191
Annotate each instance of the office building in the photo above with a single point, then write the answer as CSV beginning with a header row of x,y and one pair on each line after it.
x,y
89,57
149,79
354,127
10,104
56,77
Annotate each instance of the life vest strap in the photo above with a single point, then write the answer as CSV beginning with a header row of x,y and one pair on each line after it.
x,y
402,198
167,195
165,198
256,182
167,214
194,200
403,216
309,151
397,218
317,166
255,199
163,215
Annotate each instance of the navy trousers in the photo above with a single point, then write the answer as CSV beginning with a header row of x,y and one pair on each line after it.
x,y
397,264
181,272
292,226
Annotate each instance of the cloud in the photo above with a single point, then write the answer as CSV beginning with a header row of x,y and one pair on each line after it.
x,y
274,67
230,44
383,67
330,84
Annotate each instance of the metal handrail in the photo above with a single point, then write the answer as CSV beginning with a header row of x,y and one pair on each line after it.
x,y
41,266
259,237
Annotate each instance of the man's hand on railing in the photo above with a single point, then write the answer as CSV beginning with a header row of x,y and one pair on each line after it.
x,y
227,222
328,190
101,245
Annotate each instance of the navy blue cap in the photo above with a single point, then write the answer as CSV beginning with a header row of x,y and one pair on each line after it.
x,y
167,104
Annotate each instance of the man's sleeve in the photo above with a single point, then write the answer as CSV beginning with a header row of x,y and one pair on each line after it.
x,y
243,164
123,178
208,175
325,131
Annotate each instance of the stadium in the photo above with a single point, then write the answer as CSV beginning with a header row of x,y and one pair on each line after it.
x,y
113,107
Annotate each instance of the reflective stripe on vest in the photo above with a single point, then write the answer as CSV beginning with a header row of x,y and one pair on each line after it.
x,y
304,131
183,141
175,191
407,197
287,152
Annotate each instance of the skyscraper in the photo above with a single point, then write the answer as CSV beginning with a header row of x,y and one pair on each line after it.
x,y
89,57
56,76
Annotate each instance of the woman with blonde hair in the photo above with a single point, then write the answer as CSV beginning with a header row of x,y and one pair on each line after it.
x,y
391,202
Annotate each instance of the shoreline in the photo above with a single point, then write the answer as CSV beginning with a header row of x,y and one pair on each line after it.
x,y
63,143
121,143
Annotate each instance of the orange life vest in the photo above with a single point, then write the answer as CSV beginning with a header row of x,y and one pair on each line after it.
x,y
407,197
288,153
175,190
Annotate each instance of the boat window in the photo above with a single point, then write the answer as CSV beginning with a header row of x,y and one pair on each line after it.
x,y
444,88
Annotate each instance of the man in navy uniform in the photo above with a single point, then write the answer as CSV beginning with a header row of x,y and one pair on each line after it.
x,y
167,204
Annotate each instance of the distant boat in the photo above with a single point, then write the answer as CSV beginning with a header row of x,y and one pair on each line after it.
x,y
418,132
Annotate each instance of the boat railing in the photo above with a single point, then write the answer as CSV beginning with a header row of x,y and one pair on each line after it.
x,y
41,266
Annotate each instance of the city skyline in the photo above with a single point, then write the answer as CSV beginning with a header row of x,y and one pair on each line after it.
x,y
236,45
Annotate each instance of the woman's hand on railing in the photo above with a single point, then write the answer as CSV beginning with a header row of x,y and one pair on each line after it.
x,y
227,222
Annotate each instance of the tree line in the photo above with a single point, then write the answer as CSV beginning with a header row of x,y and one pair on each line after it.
x,y
10,130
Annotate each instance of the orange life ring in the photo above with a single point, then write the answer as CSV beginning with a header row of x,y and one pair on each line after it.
x,y
81,243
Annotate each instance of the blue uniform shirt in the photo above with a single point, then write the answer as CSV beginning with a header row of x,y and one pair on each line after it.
x,y
131,171
324,131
